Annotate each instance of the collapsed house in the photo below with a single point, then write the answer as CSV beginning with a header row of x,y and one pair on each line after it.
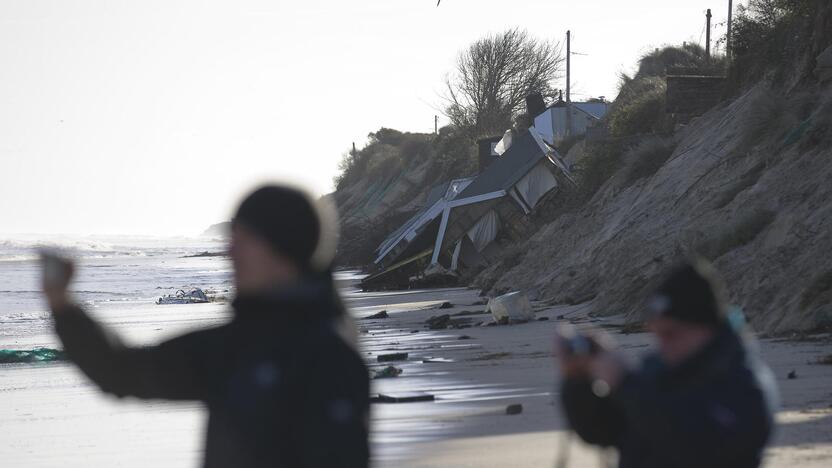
x,y
408,243
497,203
461,220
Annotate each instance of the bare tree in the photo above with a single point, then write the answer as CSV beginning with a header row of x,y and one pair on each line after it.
x,y
494,76
769,12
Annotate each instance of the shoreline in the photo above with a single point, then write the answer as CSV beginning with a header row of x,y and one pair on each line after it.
x,y
474,380
498,366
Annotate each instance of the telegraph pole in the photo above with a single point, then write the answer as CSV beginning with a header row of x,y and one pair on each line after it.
x,y
568,84
729,34
708,34
436,123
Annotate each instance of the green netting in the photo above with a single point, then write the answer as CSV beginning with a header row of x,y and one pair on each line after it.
x,y
11,356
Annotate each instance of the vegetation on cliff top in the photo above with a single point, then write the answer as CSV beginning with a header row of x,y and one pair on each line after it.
x,y
485,96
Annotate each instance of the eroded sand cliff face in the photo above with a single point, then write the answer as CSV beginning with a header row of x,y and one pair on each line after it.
x,y
751,192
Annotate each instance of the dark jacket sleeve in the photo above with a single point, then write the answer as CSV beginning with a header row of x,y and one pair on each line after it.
x,y
333,418
171,370
596,420
721,424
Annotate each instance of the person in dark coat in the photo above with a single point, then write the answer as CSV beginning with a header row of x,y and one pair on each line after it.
x,y
282,381
702,399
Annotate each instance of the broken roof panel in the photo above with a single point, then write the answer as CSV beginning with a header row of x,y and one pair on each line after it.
x,y
434,195
526,151
436,200
437,192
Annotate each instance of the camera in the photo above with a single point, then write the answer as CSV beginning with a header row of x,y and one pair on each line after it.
x,y
575,343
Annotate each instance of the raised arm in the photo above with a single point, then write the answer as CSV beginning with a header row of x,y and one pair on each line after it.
x,y
596,420
171,370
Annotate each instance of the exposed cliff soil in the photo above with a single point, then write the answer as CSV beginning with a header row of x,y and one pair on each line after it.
x,y
747,186
387,181
373,208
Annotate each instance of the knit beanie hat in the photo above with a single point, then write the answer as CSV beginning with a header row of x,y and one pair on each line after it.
x,y
294,224
691,293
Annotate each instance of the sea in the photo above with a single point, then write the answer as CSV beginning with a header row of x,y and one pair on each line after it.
x,y
52,415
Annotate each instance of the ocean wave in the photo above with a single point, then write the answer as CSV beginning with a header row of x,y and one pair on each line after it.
x,y
58,243
95,293
27,248
18,257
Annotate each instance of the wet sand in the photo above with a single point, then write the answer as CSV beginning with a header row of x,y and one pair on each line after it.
x,y
50,415
467,425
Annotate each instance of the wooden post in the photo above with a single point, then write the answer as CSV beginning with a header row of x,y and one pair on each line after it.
x,y
708,34
568,85
729,33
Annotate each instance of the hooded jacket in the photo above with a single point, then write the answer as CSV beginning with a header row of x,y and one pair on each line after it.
x,y
714,410
282,388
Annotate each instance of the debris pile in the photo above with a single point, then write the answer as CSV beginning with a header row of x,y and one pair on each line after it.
x,y
392,357
443,322
194,296
381,315
511,308
387,372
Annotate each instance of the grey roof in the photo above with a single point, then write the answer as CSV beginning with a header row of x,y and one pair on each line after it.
x,y
437,192
523,154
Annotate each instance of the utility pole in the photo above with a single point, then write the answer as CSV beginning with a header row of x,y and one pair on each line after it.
x,y
436,124
353,148
708,34
729,33
568,84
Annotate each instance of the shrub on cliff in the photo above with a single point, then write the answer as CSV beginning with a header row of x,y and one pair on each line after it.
x,y
387,152
639,107
647,157
774,35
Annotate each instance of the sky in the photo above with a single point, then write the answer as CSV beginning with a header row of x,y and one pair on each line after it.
x,y
155,117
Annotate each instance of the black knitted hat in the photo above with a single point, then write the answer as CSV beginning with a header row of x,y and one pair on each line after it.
x,y
292,222
691,293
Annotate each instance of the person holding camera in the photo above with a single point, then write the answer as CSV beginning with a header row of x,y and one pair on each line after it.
x,y
702,399
282,381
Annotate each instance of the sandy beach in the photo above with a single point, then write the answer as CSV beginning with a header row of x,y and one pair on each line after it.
x,y
51,415
495,367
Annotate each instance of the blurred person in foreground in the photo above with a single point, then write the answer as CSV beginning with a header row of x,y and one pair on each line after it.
x,y
283,385
702,399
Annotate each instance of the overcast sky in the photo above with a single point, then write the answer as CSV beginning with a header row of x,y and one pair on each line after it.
x,y
153,117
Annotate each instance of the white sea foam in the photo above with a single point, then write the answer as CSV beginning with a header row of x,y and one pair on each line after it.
x,y
111,270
